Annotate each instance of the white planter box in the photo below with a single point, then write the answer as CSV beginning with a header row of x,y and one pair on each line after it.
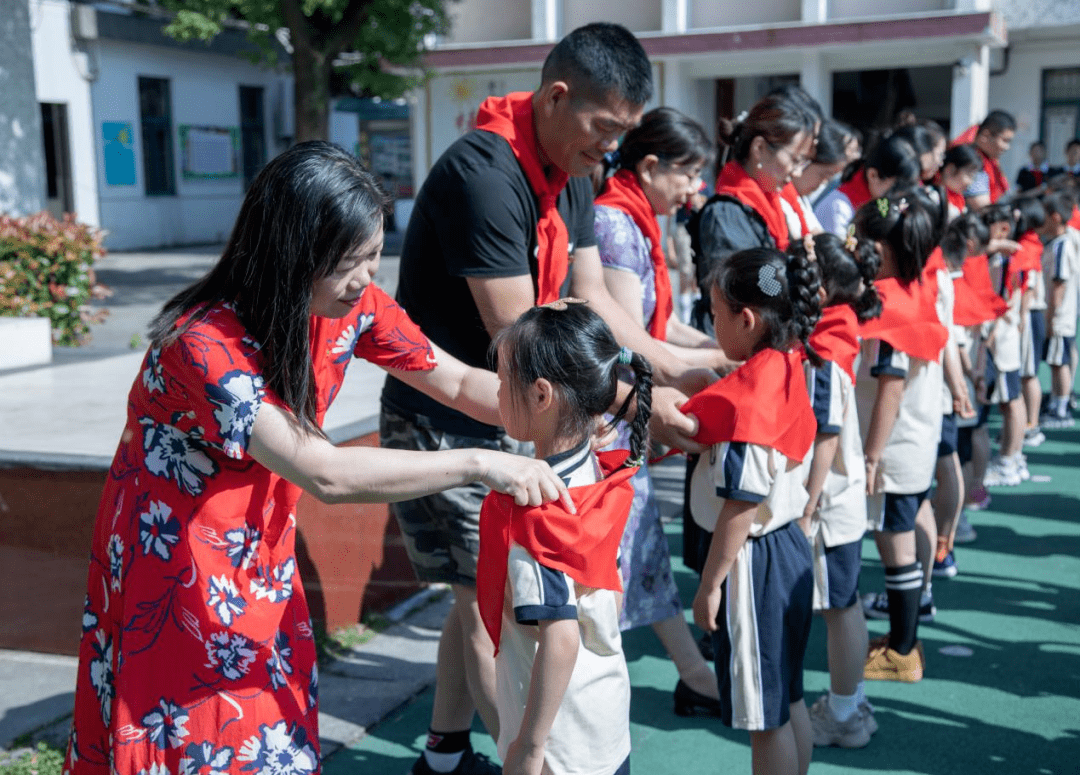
x,y
25,342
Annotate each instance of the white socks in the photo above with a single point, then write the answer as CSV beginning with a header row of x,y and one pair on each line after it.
x,y
843,706
443,762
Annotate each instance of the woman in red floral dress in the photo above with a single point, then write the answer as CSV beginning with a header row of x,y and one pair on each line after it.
x,y
197,655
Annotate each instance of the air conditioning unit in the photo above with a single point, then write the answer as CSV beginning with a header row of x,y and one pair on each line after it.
x,y
83,21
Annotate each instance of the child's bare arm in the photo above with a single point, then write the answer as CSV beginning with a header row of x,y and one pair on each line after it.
x,y
1054,300
825,447
882,418
732,529
556,655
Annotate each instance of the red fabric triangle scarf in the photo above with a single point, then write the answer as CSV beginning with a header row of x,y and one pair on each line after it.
x,y
791,196
836,337
857,190
976,301
957,200
1027,259
511,117
934,263
734,182
764,402
909,320
999,184
623,192
585,545
1074,219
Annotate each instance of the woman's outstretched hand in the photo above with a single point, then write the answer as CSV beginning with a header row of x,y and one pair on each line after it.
x,y
529,482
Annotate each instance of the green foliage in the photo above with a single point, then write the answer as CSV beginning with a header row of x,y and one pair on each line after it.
x,y
375,55
45,270
41,761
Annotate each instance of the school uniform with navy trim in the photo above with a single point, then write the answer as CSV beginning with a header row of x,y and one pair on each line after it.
x,y
1003,342
836,540
1061,264
906,468
591,731
766,610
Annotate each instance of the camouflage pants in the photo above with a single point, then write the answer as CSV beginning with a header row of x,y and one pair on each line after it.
x,y
441,531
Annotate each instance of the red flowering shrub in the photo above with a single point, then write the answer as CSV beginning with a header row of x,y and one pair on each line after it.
x,y
45,270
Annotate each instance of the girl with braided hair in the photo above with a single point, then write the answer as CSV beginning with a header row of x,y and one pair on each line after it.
x,y
748,490
548,579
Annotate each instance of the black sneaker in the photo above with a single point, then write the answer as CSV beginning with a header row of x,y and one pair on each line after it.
x,y
472,763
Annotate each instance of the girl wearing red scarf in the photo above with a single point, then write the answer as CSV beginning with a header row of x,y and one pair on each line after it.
x,y
892,163
962,163
899,390
756,587
835,515
547,580
658,170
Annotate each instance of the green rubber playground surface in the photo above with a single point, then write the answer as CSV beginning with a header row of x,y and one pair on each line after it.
x,y
1002,686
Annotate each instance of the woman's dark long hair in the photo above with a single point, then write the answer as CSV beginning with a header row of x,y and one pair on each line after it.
x,y
671,136
892,157
572,347
308,208
776,117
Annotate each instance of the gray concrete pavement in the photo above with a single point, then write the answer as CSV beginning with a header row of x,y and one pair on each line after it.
x,y
71,412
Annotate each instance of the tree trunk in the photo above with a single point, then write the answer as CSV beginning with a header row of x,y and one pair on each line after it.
x,y
311,93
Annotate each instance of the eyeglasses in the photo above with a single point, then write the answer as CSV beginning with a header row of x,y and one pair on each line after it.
x,y
691,171
798,166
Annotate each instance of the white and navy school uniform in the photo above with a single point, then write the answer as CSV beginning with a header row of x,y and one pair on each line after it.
x,y
906,468
837,539
1061,264
1033,340
1003,348
591,731
945,303
765,610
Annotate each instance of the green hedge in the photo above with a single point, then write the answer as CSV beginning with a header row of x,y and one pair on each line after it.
x,y
46,270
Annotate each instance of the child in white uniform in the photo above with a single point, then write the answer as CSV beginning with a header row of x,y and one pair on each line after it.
x,y
1061,269
547,579
757,583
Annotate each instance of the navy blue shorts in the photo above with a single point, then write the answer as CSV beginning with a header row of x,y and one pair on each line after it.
x,y
1034,349
836,575
768,615
949,436
1058,350
893,513
1001,387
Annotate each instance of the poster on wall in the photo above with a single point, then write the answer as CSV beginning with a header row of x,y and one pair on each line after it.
x,y
118,148
209,152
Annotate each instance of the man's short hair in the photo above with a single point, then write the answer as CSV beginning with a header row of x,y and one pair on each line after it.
x,y
998,121
1070,144
1037,144
599,59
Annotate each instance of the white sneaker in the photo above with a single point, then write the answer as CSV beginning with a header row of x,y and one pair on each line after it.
x,y
1022,467
1002,472
1033,437
828,730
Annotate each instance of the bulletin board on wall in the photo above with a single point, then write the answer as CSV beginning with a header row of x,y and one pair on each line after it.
x,y
209,152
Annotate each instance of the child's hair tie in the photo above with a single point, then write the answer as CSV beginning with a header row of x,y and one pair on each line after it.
x,y
852,242
902,205
634,462
767,280
883,207
625,355
808,246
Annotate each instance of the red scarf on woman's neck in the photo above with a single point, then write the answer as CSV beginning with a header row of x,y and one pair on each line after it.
x,y
857,190
836,337
585,545
623,192
734,182
909,319
999,184
763,402
511,117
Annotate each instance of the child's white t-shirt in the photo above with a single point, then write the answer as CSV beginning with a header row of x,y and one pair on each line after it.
x,y
907,462
591,731
843,499
835,212
1005,344
1061,264
946,302
753,473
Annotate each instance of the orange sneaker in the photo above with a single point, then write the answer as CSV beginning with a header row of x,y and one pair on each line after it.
x,y
885,664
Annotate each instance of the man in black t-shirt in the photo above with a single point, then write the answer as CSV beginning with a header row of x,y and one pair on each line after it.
x,y
470,265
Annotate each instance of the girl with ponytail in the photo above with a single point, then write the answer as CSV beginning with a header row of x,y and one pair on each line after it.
x,y
898,392
748,491
835,515
559,367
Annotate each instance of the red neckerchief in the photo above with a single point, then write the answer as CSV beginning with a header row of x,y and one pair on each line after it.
x,y
976,301
1074,219
585,545
909,320
999,184
857,190
836,337
1027,259
511,117
791,196
764,402
734,182
623,192
957,200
